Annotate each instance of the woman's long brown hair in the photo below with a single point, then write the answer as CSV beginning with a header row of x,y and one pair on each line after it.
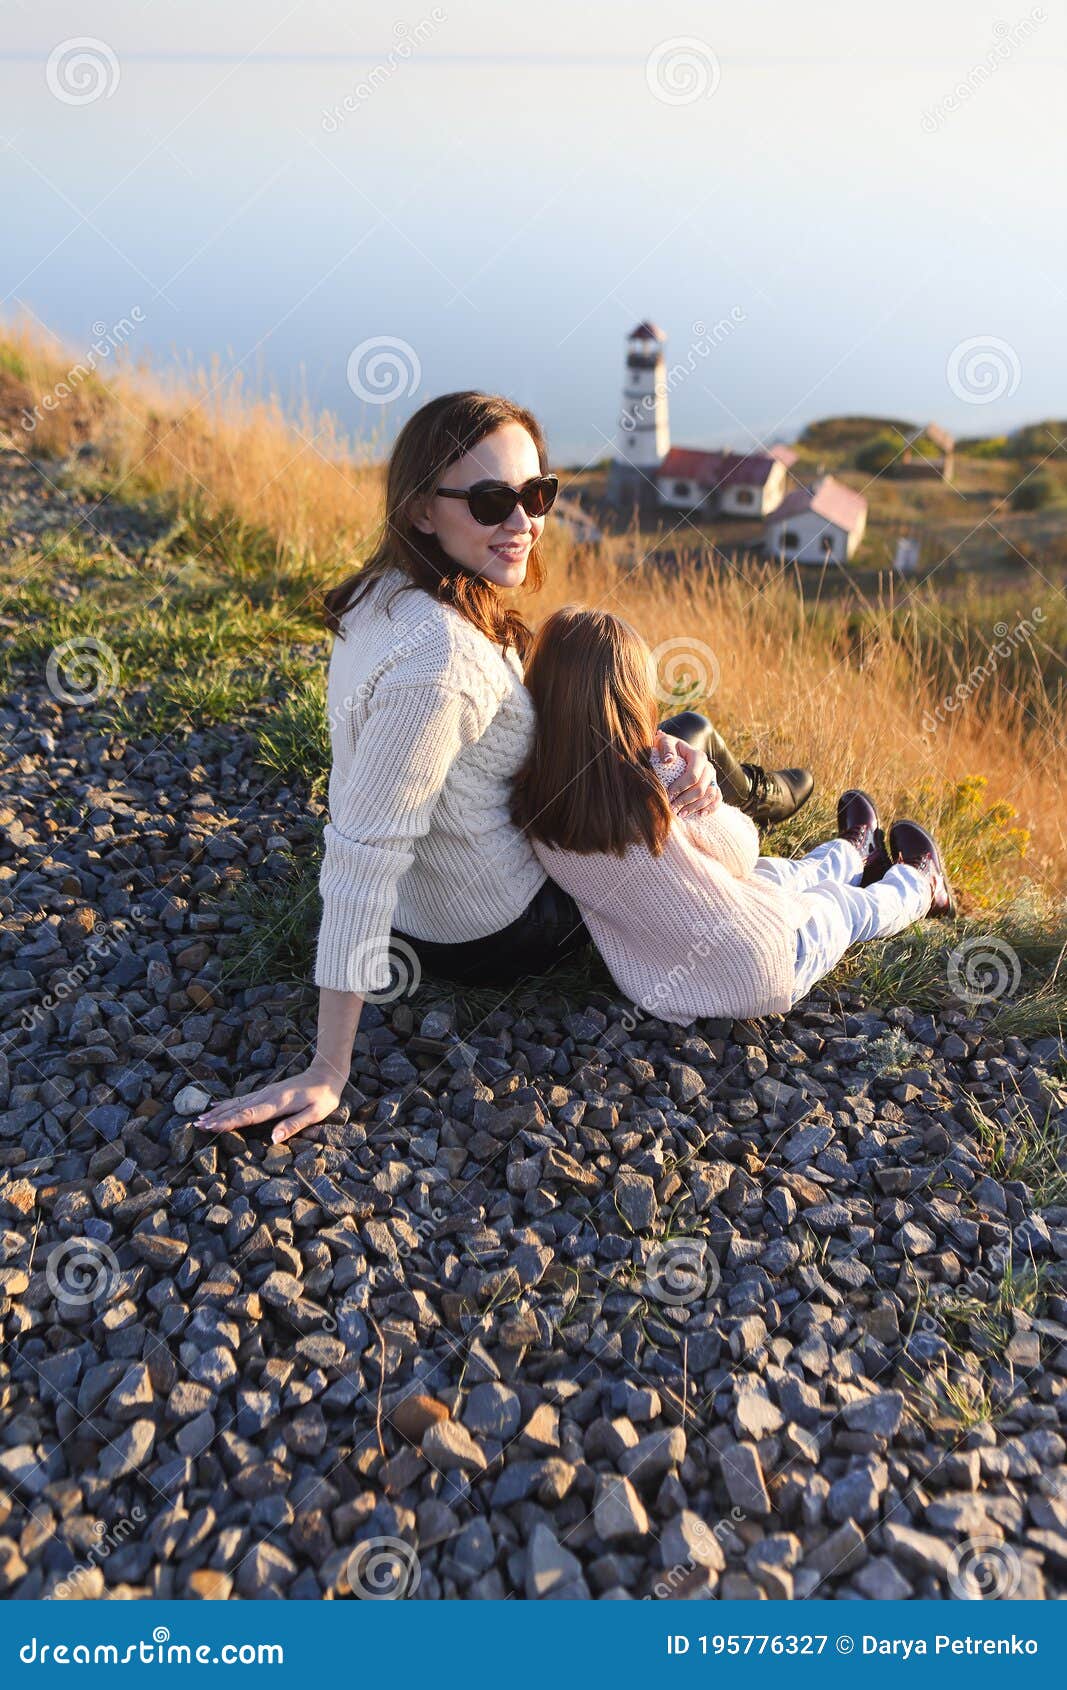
x,y
587,784
437,435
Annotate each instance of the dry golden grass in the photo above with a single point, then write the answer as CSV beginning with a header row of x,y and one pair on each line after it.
x,y
789,691
203,438
787,685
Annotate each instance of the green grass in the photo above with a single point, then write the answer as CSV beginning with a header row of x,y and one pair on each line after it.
x,y
990,1322
957,1400
1035,1153
279,921
294,742
184,646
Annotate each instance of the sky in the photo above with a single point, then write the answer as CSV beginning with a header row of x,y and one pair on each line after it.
x,y
827,208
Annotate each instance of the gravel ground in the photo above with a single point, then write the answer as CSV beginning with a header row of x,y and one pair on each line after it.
x,y
556,1305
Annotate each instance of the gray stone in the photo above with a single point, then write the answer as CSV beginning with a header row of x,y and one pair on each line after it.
x,y
654,1454
548,1565
881,1581
635,1199
743,1476
688,1541
449,1446
618,1511
880,1413
493,1411
918,1551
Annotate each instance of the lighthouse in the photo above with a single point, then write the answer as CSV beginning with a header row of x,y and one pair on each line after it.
x,y
643,437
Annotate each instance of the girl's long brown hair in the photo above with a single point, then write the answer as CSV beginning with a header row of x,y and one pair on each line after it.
x,y
587,784
437,435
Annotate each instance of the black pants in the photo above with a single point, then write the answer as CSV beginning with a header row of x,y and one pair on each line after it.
x,y
549,930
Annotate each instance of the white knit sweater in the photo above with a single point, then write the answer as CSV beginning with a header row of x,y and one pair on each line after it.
x,y
691,932
429,723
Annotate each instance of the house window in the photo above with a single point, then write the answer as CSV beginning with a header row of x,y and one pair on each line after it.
x,y
681,489
745,496
791,540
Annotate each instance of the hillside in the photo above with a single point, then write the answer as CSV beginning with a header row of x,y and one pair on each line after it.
x,y
999,521
564,1301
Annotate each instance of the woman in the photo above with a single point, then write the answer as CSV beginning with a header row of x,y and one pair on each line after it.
x,y
429,723
689,918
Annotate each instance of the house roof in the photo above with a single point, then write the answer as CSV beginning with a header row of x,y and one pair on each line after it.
x,y
830,499
646,331
718,469
938,436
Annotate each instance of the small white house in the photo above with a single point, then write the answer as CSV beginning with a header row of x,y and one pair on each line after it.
x,y
724,483
822,524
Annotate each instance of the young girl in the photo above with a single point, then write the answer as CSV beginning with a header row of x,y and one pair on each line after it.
x,y
689,918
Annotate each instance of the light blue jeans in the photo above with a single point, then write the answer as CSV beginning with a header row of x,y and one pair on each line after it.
x,y
839,911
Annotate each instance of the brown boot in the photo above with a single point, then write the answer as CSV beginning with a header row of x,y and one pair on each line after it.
x,y
910,843
857,821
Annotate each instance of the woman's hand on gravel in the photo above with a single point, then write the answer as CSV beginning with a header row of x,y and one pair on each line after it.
x,y
299,1102
696,793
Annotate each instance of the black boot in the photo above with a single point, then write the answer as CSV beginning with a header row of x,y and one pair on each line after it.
x,y
767,795
776,794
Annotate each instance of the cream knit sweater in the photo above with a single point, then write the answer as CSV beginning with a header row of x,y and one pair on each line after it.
x,y
691,932
429,723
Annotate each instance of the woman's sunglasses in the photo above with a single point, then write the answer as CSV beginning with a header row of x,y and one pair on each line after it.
x,y
492,502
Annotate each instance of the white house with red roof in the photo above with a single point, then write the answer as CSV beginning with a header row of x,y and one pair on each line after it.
x,y
647,473
724,483
820,524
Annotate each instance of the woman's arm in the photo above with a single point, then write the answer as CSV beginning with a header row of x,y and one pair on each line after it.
x,y
402,756
697,795
310,1096
727,834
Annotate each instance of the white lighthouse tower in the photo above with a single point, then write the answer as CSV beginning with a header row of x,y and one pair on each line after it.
x,y
643,437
